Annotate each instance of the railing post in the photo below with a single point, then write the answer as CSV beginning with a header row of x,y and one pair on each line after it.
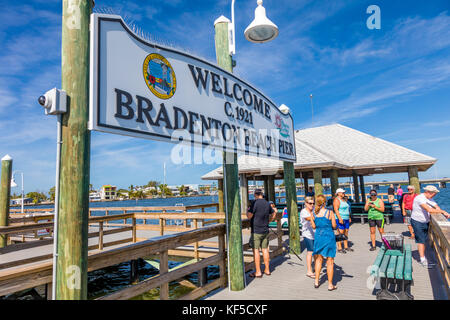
x,y
222,263
5,192
163,269
100,236
196,256
279,233
134,229
161,226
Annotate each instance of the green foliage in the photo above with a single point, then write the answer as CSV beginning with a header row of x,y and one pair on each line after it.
x,y
37,196
51,194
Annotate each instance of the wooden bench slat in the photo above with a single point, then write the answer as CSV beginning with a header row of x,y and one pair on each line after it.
x,y
377,263
400,267
391,267
408,262
384,265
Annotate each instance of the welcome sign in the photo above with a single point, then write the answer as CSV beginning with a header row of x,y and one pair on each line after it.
x,y
144,90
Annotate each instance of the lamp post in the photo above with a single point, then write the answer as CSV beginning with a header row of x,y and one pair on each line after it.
x,y
14,184
259,31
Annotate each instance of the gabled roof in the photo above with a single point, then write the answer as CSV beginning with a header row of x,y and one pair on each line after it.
x,y
340,147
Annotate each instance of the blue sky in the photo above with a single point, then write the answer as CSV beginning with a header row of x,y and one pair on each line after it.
x,y
392,83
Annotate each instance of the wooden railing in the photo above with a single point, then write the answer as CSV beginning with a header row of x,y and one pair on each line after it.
x,y
439,235
185,244
33,227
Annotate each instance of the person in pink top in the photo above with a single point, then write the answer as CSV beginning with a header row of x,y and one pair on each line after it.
x,y
407,206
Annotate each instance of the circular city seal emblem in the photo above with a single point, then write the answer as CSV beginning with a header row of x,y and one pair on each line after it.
x,y
159,76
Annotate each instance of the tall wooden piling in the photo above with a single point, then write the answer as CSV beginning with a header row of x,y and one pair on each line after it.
x,y
334,181
355,187
413,175
231,177
5,192
363,188
318,183
291,203
71,275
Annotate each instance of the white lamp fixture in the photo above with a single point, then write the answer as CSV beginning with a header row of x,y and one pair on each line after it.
x,y
261,29
284,109
13,183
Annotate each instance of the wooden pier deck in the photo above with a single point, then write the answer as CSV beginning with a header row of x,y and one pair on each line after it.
x,y
31,267
288,280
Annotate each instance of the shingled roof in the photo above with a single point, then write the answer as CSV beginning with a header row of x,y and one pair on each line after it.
x,y
337,147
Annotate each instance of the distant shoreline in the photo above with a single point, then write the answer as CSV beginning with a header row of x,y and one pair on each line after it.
x,y
115,200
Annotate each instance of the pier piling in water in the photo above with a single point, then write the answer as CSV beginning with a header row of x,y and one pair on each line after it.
x,y
5,196
231,176
71,275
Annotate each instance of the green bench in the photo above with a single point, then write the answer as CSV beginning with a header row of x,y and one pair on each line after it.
x,y
393,267
285,225
357,211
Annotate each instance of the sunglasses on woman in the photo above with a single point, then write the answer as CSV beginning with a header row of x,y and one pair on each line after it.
x,y
310,202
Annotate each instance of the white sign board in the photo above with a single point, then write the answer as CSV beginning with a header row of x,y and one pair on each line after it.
x,y
144,90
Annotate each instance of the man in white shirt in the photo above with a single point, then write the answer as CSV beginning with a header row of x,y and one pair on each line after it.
x,y
423,206
308,233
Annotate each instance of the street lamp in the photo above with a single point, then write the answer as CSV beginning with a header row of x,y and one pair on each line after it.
x,y
14,184
259,31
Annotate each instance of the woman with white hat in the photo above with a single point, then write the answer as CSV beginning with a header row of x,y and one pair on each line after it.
x,y
423,206
342,210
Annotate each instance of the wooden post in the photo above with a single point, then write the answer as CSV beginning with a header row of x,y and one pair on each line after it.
x,y
271,188
161,226
222,263
291,202
163,269
305,182
134,271
363,189
196,256
221,207
202,277
318,186
356,186
100,236
266,187
413,176
5,192
334,180
244,192
71,275
230,175
134,230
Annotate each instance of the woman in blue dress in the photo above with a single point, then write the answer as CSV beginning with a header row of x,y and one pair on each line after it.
x,y
324,221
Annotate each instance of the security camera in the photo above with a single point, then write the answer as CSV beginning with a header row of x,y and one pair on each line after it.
x,y
284,109
54,101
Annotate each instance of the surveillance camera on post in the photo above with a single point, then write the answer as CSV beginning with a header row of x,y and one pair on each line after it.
x,y
54,101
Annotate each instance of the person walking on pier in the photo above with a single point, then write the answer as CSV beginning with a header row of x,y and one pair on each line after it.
x,y
342,210
423,206
407,206
310,192
308,233
260,214
399,193
391,192
375,208
324,221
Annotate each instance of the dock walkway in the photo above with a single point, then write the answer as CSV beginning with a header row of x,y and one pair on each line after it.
x,y
288,280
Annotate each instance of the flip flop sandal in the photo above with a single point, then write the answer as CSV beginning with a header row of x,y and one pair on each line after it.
x,y
310,276
334,288
253,275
